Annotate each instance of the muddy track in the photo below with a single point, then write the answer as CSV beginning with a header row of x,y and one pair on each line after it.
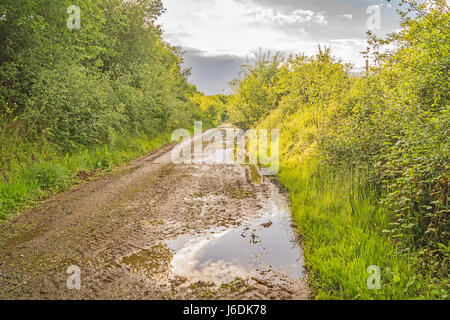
x,y
156,230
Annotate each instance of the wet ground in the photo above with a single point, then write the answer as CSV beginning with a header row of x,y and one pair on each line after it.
x,y
212,229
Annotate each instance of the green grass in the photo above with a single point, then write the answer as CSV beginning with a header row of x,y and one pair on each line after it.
x,y
32,171
342,230
37,171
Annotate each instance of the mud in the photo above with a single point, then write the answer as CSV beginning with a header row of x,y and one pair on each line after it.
x,y
156,230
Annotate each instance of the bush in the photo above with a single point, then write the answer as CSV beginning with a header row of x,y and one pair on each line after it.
x,y
390,129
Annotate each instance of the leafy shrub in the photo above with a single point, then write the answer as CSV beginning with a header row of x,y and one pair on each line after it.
x,y
47,176
83,99
389,129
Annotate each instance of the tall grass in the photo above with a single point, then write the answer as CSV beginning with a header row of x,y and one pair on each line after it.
x,y
39,170
342,229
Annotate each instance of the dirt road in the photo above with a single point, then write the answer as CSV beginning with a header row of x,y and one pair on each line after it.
x,y
157,230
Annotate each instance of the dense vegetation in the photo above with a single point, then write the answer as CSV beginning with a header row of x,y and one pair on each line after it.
x,y
365,158
214,108
83,99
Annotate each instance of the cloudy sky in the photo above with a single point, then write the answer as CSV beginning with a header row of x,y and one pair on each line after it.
x,y
219,35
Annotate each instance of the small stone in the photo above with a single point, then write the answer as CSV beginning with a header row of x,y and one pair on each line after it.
x,y
267,224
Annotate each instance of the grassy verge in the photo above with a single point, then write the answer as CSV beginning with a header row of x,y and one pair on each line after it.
x,y
39,170
342,229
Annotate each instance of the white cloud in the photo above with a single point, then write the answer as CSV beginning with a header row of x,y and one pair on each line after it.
x,y
230,27
297,17
346,16
224,32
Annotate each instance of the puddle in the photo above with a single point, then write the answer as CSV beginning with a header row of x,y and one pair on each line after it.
x,y
261,246
212,155
217,147
265,244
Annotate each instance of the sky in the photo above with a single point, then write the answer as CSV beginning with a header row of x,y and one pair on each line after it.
x,y
217,36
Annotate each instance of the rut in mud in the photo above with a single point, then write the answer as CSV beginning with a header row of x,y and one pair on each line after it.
x,y
156,230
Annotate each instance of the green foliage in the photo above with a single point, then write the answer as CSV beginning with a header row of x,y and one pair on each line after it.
x,y
47,176
253,98
74,87
80,94
396,130
32,180
388,132
342,228
308,91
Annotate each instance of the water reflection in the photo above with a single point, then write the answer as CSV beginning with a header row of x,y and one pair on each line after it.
x,y
261,244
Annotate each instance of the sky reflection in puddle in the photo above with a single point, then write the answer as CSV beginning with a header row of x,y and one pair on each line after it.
x,y
265,243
